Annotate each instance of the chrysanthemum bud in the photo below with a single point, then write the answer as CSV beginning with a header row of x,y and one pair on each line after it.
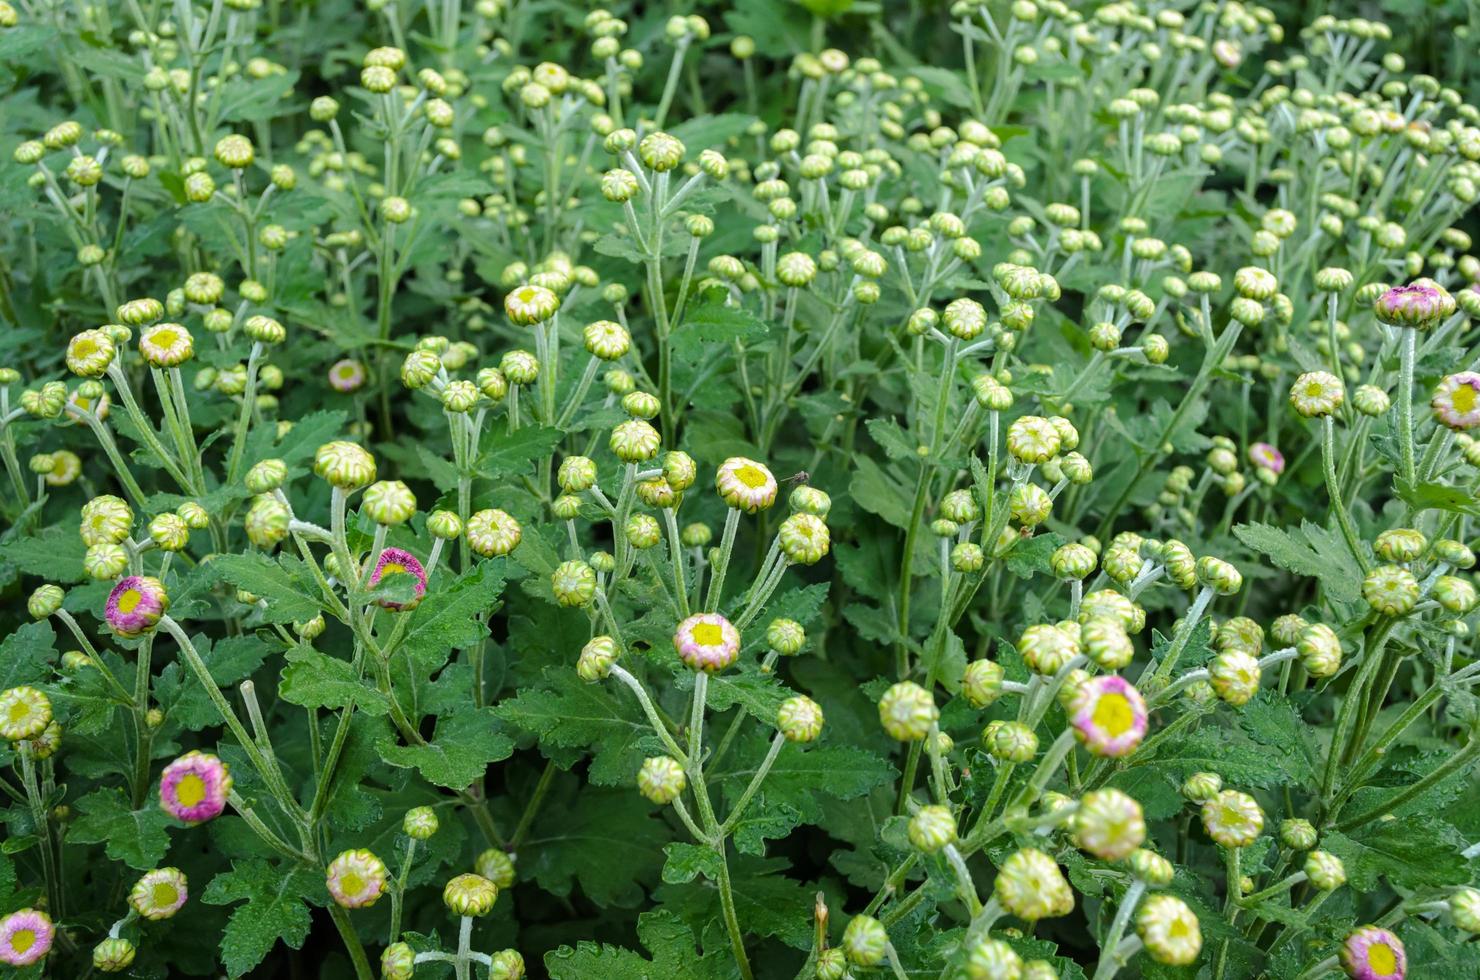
x,y
661,780
469,895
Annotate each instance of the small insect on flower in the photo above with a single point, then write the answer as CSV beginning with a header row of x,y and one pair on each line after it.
x,y
1373,953
159,894
389,567
135,605
356,879
25,937
1108,715
745,484
1456,401
194,788
1266,457
707,642
347,376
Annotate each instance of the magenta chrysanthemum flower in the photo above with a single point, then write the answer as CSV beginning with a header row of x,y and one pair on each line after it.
x,y
347,375
1421,304
1456,402
707,642
1265,456
395,561
25,937
194,787
356,879
1371,953
1108,715
135,605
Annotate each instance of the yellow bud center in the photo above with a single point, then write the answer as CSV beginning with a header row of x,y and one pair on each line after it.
x,y
22,939
1464,399
190,790
1382,959
751,476
164,895
129,600
1114,715
709,635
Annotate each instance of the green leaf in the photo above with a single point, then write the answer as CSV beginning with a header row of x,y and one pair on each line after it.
x,y
712,322
458,755
316,680
892,439
451,616
299,443
26,654
565,713
54,553
230,662
274,910
609,841
285,584
1297,552
502,453
791,793
1413,852
689,861
1030,557
767,901
879,493
1216,750
671,942
1274,722
135,837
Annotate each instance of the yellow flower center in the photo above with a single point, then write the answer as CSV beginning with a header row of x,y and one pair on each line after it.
x,y
352,882
129,600
164,338
1114,715
86,347
348,373
1314,389
392,568
22,940
190,790
19,712
1177,929
709,635
1464,399
164,895
751,476
1382,959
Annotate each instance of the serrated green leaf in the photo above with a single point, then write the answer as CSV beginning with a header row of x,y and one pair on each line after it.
x,y
458,754
135,837
315,680
1410,853
451,617
668,938
607,841
1294,551
285,584
564,713
274,910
